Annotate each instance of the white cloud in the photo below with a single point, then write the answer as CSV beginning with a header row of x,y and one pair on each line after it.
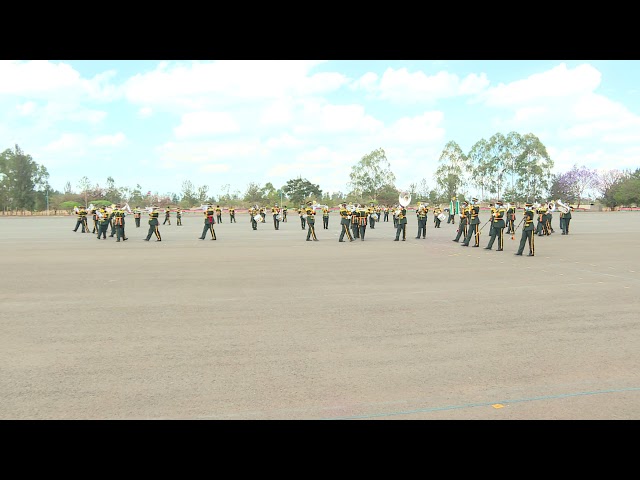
x,y
26,108
214,168
145,112
109,140
405,87
68,143
197,124
557,84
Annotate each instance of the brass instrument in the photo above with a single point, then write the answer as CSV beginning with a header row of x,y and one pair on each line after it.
x,y
561,207
404,199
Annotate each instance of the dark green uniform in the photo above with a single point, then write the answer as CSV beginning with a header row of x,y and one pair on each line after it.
x,y
362,222
497,227
474,226
325,218
82,220
354,222
401,225
527,232
565,219
167,216
154,226
209,222
137,213
345,220
511,219
232,215
118,220
311,222
103,223
421,216
464,213
219,214
179,217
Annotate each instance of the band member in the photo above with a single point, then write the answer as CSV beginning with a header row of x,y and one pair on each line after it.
x,y
178,217
275,211
454,208
311,221
378,213
463,222
118,220
209,222
253,211
81,214
527,230
474,224
547,221
436,221
232,215
386,213
263,214
395,217
355,224
219,213
371,213
497,226
303,219
94,216
167,216
284,213
103,223
565,219
363,215
112,223
421,215
325,218
154,225
401,224
345,220
541,227
511,219
137,213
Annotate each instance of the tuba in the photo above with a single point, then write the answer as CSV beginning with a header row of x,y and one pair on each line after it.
x,y
561,207
404,199
551,206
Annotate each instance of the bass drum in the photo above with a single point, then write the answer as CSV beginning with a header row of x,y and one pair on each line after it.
x,y
278,217
257,217
442,217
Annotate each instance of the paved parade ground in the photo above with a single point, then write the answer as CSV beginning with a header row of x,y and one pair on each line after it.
x,y
264,325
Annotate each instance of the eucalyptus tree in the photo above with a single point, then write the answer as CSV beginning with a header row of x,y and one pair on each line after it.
x,y
533,166
371,175
480,166
454,170
84,185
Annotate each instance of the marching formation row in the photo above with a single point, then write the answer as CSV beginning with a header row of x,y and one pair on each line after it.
x,y
354,221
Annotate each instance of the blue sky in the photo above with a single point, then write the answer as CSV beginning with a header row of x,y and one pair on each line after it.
x,y
230,123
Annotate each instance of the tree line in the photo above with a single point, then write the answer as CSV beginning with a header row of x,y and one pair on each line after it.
x,y
514,168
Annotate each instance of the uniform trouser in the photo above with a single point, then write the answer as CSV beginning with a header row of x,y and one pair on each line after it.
x,y
437,222
474,230
302,222
154,229
254,224
345,231
311,232
362,229
79,223
540,229
219,217
284,217
527,235
325,223
166,219
355,229
102,230
95,226
113,229
372,222
119,232
208,227
451,219
386,217
232,219
276,223
179,221
137,222
462,232
510,226
496,233
566,225
401,228
422,228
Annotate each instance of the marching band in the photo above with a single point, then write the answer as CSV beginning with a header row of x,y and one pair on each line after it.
x,y
355,218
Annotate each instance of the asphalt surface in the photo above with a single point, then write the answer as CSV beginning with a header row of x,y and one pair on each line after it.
x,y
264,325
